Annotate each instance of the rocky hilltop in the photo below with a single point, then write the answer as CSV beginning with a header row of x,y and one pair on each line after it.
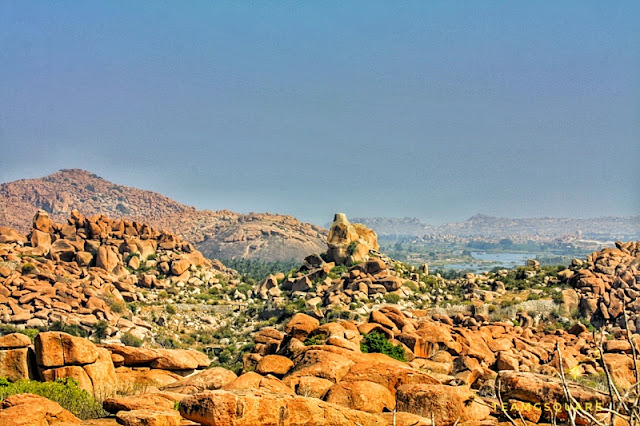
x,y
218,234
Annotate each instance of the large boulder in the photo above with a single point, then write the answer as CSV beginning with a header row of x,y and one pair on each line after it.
x,y
320,363
156,401
547,391
300,325
362,395
10,235
249,408
14,364
387,372
210,379
57,349
274,364
14,341
107,258
349,243
32,410
447,404
149,417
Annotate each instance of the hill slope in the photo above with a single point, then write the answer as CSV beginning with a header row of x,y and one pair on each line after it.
x,y
220,234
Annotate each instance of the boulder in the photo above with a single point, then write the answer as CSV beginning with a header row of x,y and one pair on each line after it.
x,y
210,379
540,389
320,363
250,408
300,325
274,364
10,236
349,243
14,364
14,341
149,417
362,395
56,349
387,372
133,356
32,410
42,222
448,404
107,258
311,386
102,375
180,359
152,400
253,380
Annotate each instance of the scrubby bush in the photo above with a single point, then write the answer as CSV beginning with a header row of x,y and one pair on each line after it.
x,y
100,330
376,342
8,329
71,329
318,339
129,339
28,268
63,391
391,298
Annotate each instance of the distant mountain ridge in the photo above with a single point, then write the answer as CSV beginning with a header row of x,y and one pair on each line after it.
x,y
219,234
490,227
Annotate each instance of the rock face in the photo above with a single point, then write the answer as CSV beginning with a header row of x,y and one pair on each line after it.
x,y
220,234
349,243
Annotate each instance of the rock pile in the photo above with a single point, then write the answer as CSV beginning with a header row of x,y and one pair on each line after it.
x,y
607,283
313,373
82,272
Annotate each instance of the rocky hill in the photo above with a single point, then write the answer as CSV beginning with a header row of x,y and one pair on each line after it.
x,y
218,234
351,337
494,228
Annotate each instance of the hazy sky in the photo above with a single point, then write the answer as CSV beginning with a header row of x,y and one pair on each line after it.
x,y
432,109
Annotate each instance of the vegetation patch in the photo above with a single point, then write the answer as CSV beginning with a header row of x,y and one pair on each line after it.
x,y
63,391
376,342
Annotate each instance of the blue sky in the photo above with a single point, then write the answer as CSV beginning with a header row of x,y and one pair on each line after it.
x,y
430,109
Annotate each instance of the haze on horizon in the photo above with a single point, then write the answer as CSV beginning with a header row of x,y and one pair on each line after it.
x,y
435,110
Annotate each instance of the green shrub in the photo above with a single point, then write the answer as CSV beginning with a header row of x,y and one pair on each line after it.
x,y
100,330
376,342
63,391
505,303
31,333
129,339
170,309
352,248
28,268
533,296
391,298
558,297
411,285
318,339
337,271
71,329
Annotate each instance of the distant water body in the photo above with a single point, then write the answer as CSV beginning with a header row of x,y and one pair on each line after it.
x,y
502,260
